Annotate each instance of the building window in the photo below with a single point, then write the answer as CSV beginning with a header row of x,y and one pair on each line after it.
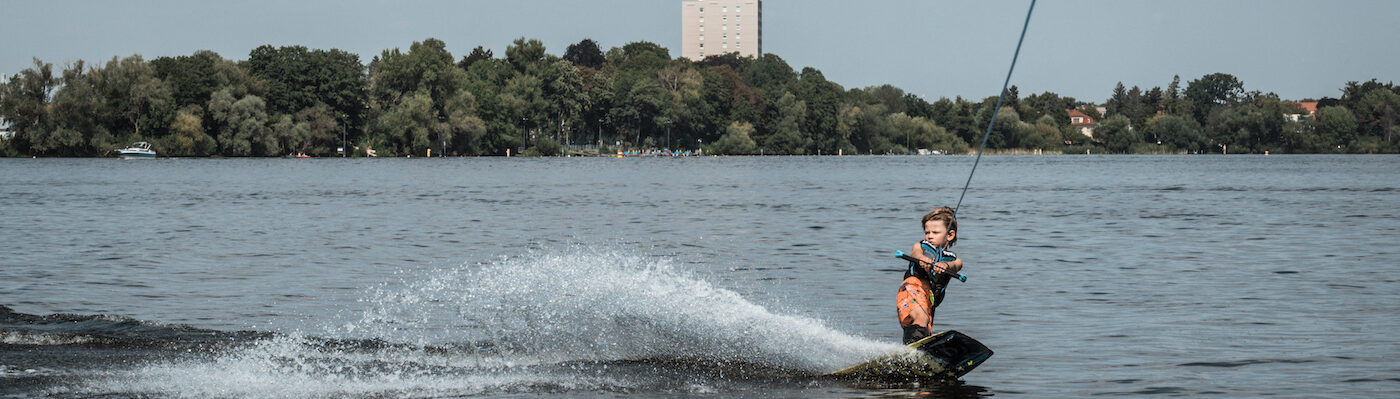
x,y
738,45
724,36
737,18
702,28
724,27
1078,120
738,27
702,20
724,45
723,18
702,37
736,8
738,36
702,45
702,9
724,9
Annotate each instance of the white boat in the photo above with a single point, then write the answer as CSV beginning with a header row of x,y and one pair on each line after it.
x,y
140,150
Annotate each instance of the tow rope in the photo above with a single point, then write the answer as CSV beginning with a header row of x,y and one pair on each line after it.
x,y
1000,97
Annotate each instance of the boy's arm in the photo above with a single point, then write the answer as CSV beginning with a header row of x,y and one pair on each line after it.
x,y
932,267
953,266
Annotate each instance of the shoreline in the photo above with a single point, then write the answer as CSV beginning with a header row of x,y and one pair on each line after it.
x,y
988,153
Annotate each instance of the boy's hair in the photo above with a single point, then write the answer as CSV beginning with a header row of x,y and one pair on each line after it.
x,y
949,219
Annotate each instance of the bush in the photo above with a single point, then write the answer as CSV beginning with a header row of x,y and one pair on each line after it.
x,y
545,147
8,151
1082,149
737,140
1152,148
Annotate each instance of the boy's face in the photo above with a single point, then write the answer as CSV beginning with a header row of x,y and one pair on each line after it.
x,y
937,234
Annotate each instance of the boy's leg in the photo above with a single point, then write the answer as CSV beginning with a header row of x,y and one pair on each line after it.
x,y
914,310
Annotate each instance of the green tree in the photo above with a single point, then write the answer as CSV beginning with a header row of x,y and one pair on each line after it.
x,y
485,82
467,129
1211,91
638,56
889,96
731,98
1354,91
958,116
585,53
769,73
427,66
1153,101
415,95
527,55
1377,113
80,116
1174,104
409,125
1006,131
848,122
1335,126
1073,135
290,136
243,125
479,53
564,97
1117,134
1131,103
787,136
137,96
523,97
684,108
631,93
1177,133
1253,125
823,101
1048,104
191,77
187,136
737,140
922,133
1047,135
1302,137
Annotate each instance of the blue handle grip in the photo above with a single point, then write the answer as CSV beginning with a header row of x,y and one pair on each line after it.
x,y
900,254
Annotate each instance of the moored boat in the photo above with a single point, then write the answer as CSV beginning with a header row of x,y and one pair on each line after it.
x,y
139,150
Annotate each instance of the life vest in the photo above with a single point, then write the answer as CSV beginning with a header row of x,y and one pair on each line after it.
x,y
938,283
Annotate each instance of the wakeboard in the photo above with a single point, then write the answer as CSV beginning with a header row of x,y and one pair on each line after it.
x,y
947,355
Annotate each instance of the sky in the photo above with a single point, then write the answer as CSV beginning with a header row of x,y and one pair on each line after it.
x,y
1077,48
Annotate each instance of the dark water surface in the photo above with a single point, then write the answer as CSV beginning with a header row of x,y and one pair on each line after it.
x,y
1244,276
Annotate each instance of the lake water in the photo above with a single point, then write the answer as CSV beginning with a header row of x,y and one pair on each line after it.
x,y
1243,276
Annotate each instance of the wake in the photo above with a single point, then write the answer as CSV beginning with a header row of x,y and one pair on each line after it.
x,y
583,320
589,305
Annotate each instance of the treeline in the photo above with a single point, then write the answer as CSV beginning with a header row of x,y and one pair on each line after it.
x,y
298,100
1215,114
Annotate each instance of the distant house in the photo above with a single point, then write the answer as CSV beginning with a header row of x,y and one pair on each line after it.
x,y
1309,108
1083,121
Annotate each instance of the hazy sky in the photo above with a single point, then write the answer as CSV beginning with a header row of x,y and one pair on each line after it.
x,y
1081,49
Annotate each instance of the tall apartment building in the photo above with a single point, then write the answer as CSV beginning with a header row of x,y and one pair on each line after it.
x,y
713,27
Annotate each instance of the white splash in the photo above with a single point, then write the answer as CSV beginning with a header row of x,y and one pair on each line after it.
x,y
511,326
586,305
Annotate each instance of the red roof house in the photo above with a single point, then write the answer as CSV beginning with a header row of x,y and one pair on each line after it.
x,y
1083,121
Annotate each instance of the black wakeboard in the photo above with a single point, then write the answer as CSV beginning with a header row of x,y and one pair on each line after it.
x,y
947,355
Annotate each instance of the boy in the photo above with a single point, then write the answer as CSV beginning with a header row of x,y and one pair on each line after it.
x,y
925,281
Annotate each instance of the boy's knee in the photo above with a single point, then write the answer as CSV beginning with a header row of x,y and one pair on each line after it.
x,y
915,333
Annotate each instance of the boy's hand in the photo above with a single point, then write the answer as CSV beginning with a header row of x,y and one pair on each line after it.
x,y
951,267
938,268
